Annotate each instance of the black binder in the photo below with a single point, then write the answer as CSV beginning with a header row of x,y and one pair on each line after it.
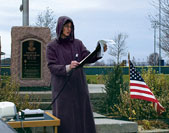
x,y
87,58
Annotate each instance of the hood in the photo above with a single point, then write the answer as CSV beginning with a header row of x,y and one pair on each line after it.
x,y
61,21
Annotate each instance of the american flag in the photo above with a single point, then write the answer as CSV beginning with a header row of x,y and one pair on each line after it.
x,y
139,89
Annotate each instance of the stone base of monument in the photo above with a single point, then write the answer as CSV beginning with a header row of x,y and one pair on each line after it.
x,y
28,56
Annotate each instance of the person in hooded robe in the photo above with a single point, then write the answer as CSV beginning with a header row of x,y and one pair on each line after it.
x,y
73,106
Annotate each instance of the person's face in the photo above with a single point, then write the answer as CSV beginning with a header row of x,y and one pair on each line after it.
x,y
67,29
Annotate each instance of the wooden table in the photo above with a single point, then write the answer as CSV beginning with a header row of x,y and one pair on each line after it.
x,y
49,120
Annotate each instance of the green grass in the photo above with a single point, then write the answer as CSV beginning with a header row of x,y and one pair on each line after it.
x,y
95,79
99,79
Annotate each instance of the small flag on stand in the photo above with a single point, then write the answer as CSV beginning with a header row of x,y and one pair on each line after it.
x,y
139,89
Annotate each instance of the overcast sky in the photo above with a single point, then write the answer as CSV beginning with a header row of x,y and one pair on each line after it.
x,y
93,19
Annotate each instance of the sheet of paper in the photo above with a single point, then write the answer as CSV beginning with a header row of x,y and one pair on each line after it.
x,y
99,50
102,43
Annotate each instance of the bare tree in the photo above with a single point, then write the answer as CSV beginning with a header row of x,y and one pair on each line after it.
x,y
164,23
153,59
134,61
47,19
119,49
165,26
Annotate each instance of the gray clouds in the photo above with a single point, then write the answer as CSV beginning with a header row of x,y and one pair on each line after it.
x,y
94,20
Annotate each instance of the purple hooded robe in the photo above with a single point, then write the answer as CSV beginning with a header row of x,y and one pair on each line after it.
x,y
73,106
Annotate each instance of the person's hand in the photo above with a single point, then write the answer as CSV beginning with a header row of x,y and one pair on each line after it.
x,y
74,64
105,47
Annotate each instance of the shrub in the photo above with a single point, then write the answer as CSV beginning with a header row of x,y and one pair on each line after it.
x,y
140,109
10,92
113,83
117,101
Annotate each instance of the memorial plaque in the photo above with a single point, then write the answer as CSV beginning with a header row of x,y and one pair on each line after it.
x,y
28,56
31,59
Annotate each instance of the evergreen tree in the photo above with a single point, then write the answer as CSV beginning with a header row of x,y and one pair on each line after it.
x,y
113,85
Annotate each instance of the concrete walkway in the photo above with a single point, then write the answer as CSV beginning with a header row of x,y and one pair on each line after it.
x,y
105,125
96,88
93,88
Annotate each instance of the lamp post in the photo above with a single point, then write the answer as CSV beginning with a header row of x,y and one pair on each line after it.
x,y
24,8
154,25
159,36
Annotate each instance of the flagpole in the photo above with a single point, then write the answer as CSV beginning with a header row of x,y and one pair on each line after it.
x,y
129,82
129,66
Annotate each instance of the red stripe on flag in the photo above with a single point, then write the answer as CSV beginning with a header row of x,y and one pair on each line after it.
x,y
143,98
160,109
141,91
139,85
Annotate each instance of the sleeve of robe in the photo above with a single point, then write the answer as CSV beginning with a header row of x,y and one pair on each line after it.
x,y
85,52
53,63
